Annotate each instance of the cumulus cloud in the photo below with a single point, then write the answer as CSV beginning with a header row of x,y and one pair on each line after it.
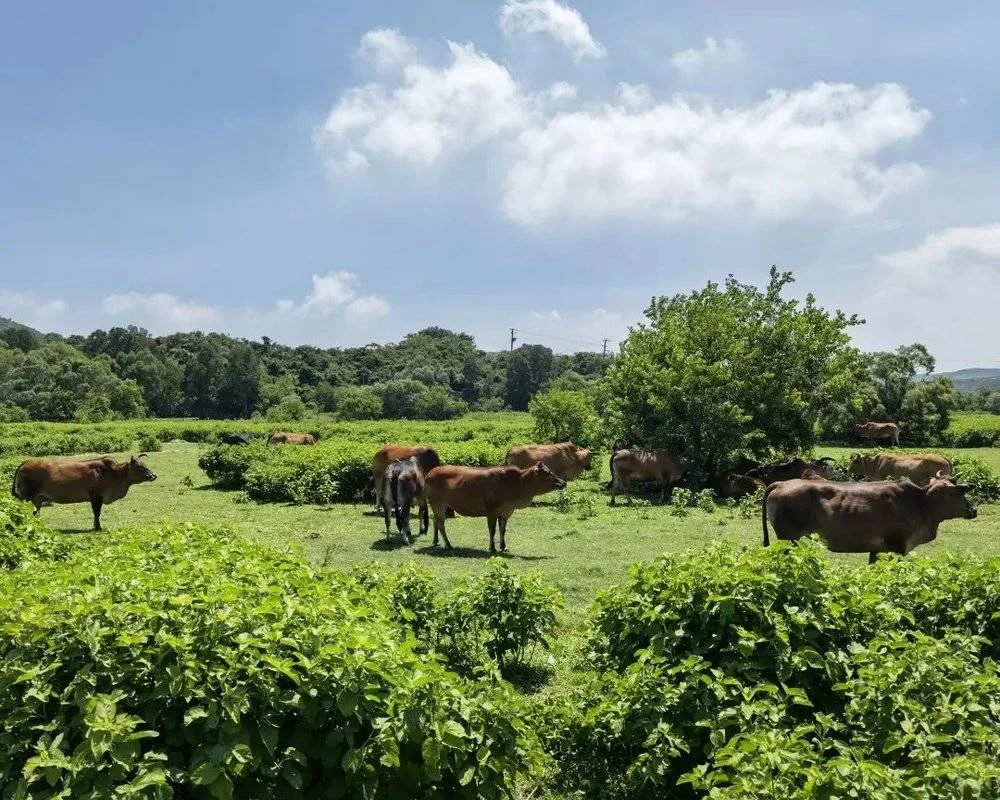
x,y
949,252
793,153
561,22
160,311
20,305
385,48
337,292
712,54
432,112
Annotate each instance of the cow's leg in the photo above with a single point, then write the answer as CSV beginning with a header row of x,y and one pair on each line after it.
x,y
385,514
503,534
625,488
872,557
439,526
491,521
404,522
95,504
377,480
37,503
424,518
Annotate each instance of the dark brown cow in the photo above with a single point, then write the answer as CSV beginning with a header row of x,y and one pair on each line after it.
x,y
645,465
873,518
879,432
733,485
918,467
790,469
427,459
565,459
99,481
491,492
402,486
287,437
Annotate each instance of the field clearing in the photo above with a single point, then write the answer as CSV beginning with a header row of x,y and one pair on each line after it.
x,y
578,555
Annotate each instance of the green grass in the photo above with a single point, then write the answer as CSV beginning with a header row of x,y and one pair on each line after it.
x,y
974,420
578,555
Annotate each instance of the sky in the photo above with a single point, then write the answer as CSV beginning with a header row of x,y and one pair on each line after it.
x,y
336,173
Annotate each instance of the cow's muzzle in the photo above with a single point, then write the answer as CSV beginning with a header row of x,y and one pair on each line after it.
x,y
151,478
973,513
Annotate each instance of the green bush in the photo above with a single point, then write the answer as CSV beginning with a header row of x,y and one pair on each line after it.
x,y
178,662
357,402
24,538
973,430
562,415
437,403
289,409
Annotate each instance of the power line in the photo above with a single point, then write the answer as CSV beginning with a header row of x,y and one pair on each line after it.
x,y
538,335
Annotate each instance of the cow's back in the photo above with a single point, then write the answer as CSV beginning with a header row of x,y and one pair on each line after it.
x,y
652,465
427,457
918,467
560,458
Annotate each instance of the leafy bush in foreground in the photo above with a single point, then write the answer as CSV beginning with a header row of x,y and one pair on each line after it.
x,y
178,663
758,674
25,538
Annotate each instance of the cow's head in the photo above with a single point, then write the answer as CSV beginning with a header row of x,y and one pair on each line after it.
x,y
862,466
139,472
545,480
949,499
585,456
620,444
822,467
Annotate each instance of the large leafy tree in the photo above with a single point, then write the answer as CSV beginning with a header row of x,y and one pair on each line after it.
x,y
730,369
528,370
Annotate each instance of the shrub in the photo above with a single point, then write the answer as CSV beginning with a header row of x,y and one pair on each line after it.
x,y
357,402
13,414
437,403
180,662
289,409
24,538
562,415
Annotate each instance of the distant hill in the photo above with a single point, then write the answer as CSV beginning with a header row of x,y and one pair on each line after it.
x,y
972,379
9,323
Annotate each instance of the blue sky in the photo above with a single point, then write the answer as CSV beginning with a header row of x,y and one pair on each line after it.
x,y
336,173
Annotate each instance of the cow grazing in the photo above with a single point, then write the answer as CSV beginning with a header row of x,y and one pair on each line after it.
x,y
733,485
872,432
868,518
99,481
918,467
235,438
565,459
790,469
402,486
427,459
645,465
286,437
491,492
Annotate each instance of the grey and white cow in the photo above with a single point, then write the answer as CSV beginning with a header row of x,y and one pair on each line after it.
x,y
402,486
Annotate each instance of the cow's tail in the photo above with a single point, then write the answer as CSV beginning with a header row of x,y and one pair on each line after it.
x,y
763,513
13,484
611,470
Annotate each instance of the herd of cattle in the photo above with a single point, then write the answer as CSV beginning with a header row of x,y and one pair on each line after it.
x,y
870,514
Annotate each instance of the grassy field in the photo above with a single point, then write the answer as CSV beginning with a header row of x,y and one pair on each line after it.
x,y
580,545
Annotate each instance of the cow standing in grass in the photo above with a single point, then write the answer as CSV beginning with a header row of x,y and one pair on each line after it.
x,y
427,458
645,465
918,467
565,459
287,437
402,486
872,432
491,492
99,481
873,518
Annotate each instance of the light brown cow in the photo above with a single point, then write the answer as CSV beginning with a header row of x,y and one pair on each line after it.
x,y
645,465
565,459
427,459
918,467
287,437
491,492
879,432
99,481
873,518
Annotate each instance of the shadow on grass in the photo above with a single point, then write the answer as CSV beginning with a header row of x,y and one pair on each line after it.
x,y
77,530
471,552
528,678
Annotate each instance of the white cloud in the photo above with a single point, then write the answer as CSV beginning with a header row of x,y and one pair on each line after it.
x,y
941,292
386,48
559,91
337,292
22,305
433,111
714,53
634,95
562,23
794,153
160,311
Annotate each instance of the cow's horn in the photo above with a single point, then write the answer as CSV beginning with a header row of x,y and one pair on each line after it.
x,y
143,455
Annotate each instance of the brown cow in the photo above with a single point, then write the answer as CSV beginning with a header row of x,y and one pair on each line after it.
x,y
287,437
491,492
427,459
733,485
645,465
868,518
918,467
879,432
789,469
402,486
565,459
98,481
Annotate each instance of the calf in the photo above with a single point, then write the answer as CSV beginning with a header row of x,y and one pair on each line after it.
x,y
402,486
919,467
645,465
287,437
491,492
427,459
565,459
868,518
99,481
879,432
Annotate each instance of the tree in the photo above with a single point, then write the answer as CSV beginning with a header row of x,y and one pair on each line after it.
x,y
401,398
529,368
562,415
926,411
357,402
437,403
730,369
290,409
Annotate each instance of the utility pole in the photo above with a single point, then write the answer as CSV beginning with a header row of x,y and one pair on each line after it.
x,y
513,338
604,352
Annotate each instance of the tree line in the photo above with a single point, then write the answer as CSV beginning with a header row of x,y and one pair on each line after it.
x,y
125,372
